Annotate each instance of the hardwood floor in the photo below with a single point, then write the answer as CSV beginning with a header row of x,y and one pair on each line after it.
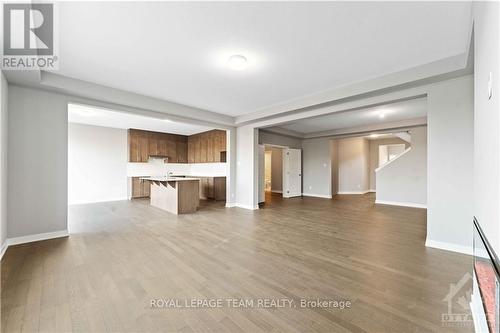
x,y
121,255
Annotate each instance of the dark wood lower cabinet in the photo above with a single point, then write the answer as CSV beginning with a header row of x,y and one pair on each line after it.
x,y
140,188
213,188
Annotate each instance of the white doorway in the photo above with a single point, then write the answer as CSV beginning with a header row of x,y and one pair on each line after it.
x,y
292,173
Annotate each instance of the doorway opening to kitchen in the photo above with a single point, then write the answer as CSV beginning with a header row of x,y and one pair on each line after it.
x,y
116,157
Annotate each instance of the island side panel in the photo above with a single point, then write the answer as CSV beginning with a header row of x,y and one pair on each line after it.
x,y
164,196
188,196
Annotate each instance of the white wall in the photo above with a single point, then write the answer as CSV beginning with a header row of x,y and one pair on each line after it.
x,y
403,181
3,162
353,162
97,164
247,175
450,164
316,168
374,156
279,140
486,17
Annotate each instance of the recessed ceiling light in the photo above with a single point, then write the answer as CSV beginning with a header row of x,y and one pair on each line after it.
x,y
382,115
237,62
167,120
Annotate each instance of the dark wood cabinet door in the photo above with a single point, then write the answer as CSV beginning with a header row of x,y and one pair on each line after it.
x,y
153,144
220,188
172,150
197,149
210,147
133,145
182,152
203,148
190,150
143,147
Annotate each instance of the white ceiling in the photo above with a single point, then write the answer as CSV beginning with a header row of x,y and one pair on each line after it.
x,y
410,109
177,51
88,115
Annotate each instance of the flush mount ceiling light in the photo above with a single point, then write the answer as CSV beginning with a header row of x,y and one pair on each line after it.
x,y
237,62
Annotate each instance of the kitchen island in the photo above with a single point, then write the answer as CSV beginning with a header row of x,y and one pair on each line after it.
x,y
175,195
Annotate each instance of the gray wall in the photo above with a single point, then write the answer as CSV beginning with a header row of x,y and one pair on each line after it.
x,y
276,169
279,140
37,162
374,144
316,167
3,163
404,179
353,161
450,160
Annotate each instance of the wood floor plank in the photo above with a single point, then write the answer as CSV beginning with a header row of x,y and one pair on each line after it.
x,y
122,255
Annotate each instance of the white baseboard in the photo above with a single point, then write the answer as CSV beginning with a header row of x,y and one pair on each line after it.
x,y
3,249
402,204
32,238
230,204
98,201
274,191
352,192
371,190
250,207
317,195
476,307
449,246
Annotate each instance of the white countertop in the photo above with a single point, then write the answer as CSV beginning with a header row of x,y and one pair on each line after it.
x,y
168,179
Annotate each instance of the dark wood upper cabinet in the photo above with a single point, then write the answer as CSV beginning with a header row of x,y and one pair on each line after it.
x,y
206,147
143,144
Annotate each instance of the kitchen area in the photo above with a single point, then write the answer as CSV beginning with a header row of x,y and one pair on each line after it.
x,y
176,171
120,156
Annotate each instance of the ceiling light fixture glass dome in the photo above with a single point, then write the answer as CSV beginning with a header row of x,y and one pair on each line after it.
x,y
237,62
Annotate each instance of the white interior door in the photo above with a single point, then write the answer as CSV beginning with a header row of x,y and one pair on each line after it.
x,y
292,173
262,178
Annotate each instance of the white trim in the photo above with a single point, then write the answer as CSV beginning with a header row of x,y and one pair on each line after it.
x,y
276,191
250,207
476,307
316,195
99,201
391,161
32,238
352,192
230,204
449,246
402,204
372,191
3,249
37,237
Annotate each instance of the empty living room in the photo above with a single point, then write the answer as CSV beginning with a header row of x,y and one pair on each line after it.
x,y
250,166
